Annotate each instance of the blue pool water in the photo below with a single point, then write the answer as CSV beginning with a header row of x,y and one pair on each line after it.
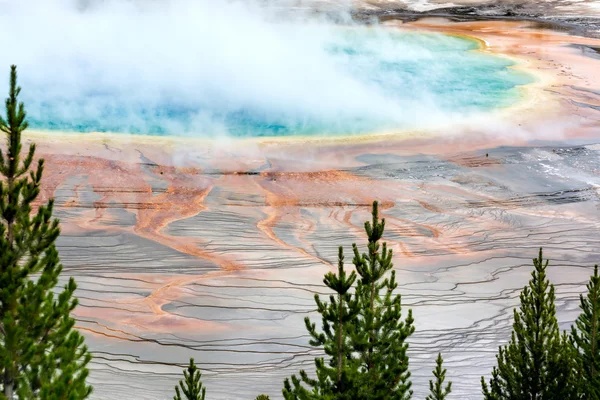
x,y
361,81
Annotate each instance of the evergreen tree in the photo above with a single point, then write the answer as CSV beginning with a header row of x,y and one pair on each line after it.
x,y
191,386
536,364
437,389
363,335
334,378
262,397
379,336
41,355
586,337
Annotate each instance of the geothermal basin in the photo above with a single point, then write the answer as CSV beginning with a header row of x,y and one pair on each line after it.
x,y
201,203
368,80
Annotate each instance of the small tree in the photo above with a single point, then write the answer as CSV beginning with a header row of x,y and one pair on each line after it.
x,y
334,378
586,337
536,363
262,397
191,386
379,336
41,354
437,389
363,335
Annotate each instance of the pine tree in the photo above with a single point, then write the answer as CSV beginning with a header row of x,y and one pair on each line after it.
x,y
191,386
379,336
536,364
41,354
334,378
363,335
437,389
586,337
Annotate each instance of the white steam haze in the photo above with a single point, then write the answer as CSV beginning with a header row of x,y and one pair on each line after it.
x,y
210,57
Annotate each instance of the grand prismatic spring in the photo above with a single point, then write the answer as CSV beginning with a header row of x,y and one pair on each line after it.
x,y
207,158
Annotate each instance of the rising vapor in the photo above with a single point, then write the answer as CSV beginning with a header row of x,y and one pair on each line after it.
x,y
193,67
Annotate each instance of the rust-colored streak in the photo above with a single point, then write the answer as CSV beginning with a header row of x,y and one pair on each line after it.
x,y
273,203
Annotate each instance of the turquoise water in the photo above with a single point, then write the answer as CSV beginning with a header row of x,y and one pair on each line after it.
x,y
373,81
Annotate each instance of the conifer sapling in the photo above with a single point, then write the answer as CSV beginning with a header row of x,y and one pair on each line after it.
x,y
586,337
335,375
191,385
41,354
436,389
379,335
364,335
536,364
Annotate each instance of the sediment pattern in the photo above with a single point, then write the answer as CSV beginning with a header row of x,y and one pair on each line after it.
x,y
172,262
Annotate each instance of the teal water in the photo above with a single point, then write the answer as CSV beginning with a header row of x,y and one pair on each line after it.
x,y
387,81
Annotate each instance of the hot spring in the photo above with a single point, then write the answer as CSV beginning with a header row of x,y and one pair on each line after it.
x,y
235,73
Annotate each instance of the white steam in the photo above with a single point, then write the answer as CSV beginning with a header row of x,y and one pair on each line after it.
x,y
211,57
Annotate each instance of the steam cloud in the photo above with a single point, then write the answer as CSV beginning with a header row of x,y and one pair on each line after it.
x,y
137,65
